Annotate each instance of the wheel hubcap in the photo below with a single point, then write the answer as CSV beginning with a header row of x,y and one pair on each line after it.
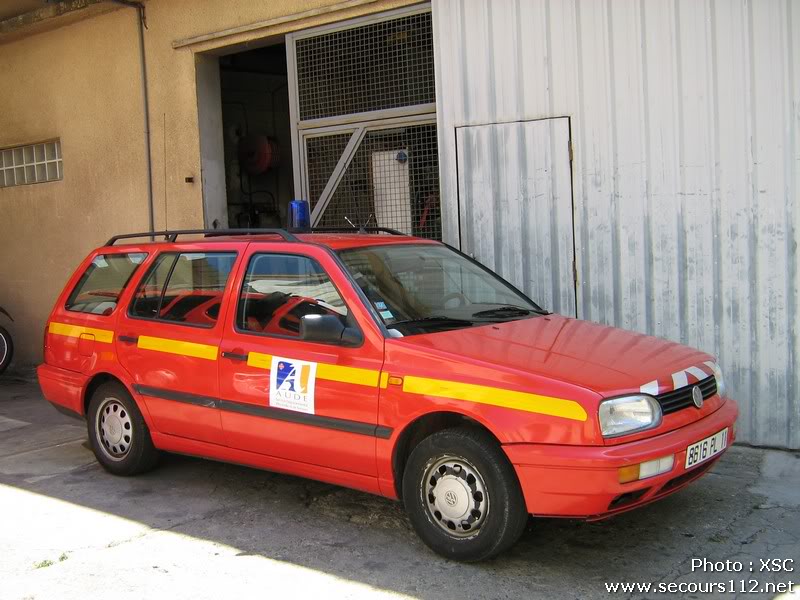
x,y
114,429
455,495
3,349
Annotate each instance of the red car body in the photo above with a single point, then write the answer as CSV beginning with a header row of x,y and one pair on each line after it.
x,y
535,384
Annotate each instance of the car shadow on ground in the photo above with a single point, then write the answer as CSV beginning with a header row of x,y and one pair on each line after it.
x,y
359,537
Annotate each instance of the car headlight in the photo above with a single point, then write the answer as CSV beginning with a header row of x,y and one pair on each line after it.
x,y
628,414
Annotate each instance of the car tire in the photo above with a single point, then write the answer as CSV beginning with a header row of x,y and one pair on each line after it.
x,y
462,495
118,434
6,349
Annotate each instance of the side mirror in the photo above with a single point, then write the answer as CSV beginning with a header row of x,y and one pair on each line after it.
x,y
328,329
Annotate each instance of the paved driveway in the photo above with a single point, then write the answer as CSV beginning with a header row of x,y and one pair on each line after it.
x,y
199,529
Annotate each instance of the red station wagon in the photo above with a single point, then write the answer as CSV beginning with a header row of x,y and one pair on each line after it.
x,y
381,362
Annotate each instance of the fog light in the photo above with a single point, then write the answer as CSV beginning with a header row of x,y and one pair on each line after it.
x,y
651,468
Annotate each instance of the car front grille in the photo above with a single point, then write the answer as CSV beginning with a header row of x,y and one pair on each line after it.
x,y
682,398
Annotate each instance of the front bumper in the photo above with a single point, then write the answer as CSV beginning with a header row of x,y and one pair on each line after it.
x,y
582,481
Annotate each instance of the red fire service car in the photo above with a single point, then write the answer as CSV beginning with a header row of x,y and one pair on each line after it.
x,y
381,362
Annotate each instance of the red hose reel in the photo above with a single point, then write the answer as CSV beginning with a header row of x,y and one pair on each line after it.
x,y
257,154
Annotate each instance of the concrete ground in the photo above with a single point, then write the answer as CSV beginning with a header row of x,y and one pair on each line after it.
x,y
199,529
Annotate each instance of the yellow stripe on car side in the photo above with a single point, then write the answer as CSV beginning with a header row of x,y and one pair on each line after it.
x,y
259,360
100,335
193,349
504,398
546,405
535,403
352,375
325,371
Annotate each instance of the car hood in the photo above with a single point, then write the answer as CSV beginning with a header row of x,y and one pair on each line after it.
x,y
606,360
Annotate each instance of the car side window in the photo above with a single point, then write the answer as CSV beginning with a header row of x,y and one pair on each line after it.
x,y
99,288
279,289
184,288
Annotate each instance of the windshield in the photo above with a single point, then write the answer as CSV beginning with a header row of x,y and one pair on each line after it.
x,y
425,288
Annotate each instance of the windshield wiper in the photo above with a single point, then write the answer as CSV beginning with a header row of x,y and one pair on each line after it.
x,y
503,311
432,320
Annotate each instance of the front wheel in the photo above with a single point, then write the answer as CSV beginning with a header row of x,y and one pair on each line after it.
x,y
462,495
6,349
118,434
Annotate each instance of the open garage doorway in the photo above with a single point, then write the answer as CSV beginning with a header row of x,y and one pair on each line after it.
x,y
245,137
256,136
342,115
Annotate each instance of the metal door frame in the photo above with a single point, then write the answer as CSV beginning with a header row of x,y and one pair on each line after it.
x,y
575,281
359,132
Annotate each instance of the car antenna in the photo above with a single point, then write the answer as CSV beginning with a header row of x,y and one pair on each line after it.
x,y
364,226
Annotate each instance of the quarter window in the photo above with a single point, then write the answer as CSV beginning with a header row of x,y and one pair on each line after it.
x,y
99,288
184,288
279,289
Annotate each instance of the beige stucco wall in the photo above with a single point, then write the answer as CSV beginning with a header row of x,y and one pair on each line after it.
x,y
81,83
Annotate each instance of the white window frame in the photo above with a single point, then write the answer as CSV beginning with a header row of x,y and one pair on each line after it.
x,y
29,163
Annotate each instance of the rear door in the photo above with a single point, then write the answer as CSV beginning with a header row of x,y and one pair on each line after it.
x,y
82,324
284,397
168,338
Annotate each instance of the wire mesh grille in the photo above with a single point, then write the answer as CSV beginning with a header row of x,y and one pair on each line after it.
x,y
322,154
377,66
392,181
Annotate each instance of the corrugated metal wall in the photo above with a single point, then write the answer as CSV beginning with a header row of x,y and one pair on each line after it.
x,y
685,120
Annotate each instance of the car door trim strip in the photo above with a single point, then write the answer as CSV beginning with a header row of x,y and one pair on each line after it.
x,y
280,414
195,399
100,335
268,412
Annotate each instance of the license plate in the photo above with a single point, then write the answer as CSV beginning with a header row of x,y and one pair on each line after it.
x,y
704,449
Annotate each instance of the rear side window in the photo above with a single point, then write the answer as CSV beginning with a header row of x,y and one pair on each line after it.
x,y
279,289
99,288
184,288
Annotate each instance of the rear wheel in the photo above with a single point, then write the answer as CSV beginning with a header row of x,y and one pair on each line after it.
x,y
6,349
118,434
462,495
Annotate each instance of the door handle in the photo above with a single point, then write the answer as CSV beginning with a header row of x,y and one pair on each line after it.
x,y
128,339
234,355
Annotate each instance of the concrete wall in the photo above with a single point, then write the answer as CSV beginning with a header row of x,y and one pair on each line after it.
x,y
686,136
81,83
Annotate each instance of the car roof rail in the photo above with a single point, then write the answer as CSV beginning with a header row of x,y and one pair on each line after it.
x,y
353,230
171,236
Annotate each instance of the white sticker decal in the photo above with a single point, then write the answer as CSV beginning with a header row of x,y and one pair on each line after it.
x,y
650,388
291,384
697,373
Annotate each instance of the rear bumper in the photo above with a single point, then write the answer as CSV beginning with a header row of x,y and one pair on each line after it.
x,y
62,388
582,481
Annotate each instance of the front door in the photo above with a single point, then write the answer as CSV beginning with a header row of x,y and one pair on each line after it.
x,y
168,338
313,403
515,206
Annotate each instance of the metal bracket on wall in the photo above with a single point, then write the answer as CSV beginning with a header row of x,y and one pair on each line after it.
x,y
344,161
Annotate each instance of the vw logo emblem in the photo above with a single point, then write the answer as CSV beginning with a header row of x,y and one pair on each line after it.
x,y
451,498
697,397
